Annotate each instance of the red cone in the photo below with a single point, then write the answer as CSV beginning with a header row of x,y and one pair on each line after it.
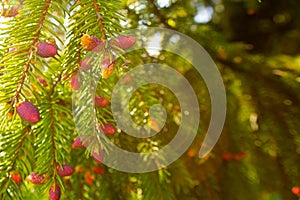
x,y
98,156
16,177
65,170
98,170
296,190
101,101
107,129
124,42
75,82
92,43
81,141
46,50
35,178
54,192
28,112
86,64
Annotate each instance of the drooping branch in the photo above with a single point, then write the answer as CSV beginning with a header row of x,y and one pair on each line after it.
x,y
30,53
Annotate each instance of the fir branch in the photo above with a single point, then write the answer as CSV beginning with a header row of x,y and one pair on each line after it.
x,y
16,153
12,157
51,139
27,66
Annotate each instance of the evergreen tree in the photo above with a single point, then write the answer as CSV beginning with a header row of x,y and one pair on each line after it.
x,y
43,51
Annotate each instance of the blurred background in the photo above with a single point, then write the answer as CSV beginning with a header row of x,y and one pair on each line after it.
x,y
255,45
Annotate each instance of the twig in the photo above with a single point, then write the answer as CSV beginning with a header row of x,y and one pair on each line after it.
x,y
100,19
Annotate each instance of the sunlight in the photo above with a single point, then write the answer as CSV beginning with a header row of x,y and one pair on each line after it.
x,y
154,45
204,14
163,3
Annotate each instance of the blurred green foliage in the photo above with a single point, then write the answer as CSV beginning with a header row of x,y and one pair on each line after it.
x,y
256,47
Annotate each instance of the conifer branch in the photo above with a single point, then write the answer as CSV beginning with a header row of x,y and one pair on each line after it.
x,y
16,154
30,53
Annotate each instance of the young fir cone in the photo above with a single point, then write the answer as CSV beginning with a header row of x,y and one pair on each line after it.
x,y
54,192
98,156
86,64
81,141
107,65
123,42
101,101
107,129
28,112
92,43
227,156
42,81
10,12
46,50
98,170
75,82
77,143
106,72
108,60
296,190
35,178
16,177
89,178
79,169
65,170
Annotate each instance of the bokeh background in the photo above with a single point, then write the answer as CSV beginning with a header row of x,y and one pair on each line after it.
x,y
256,47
